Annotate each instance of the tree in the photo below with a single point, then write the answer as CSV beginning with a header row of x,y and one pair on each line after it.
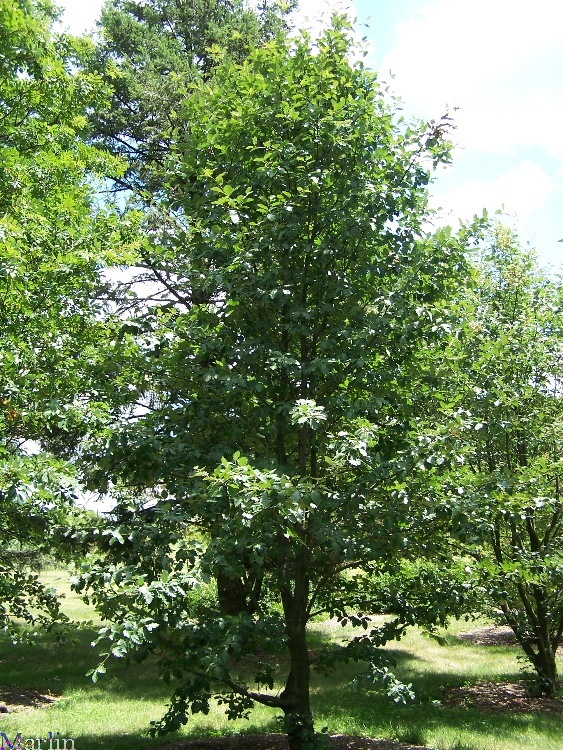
x,y
265,386
507,431
149,54
50,247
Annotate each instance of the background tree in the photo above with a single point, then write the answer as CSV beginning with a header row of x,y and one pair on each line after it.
x,y
507,431
265,387
50,249
149,53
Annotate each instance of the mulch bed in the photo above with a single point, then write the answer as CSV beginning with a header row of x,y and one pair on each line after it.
x,y
279,742
14,699
501,696
490,635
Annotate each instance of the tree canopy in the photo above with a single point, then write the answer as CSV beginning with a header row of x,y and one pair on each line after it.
x,y
261,437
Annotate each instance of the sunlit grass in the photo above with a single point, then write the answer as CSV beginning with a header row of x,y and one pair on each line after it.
x,y
72,603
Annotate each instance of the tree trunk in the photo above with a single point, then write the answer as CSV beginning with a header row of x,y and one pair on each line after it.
x,y
231,593
546,669
298,719
236,594
538,645
300,732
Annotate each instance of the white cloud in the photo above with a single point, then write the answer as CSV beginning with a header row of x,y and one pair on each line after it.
x,y
521,191
500,61
501,122
80,16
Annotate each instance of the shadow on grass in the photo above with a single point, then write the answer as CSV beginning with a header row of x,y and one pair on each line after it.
x,y
50,665
141,741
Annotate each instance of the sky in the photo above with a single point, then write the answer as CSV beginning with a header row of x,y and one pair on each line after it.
x,y
497,67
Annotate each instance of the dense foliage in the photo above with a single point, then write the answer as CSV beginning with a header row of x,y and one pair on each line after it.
x,y
50,248
293,295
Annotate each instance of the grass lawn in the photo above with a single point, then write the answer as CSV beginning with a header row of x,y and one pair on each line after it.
x,y
114,713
